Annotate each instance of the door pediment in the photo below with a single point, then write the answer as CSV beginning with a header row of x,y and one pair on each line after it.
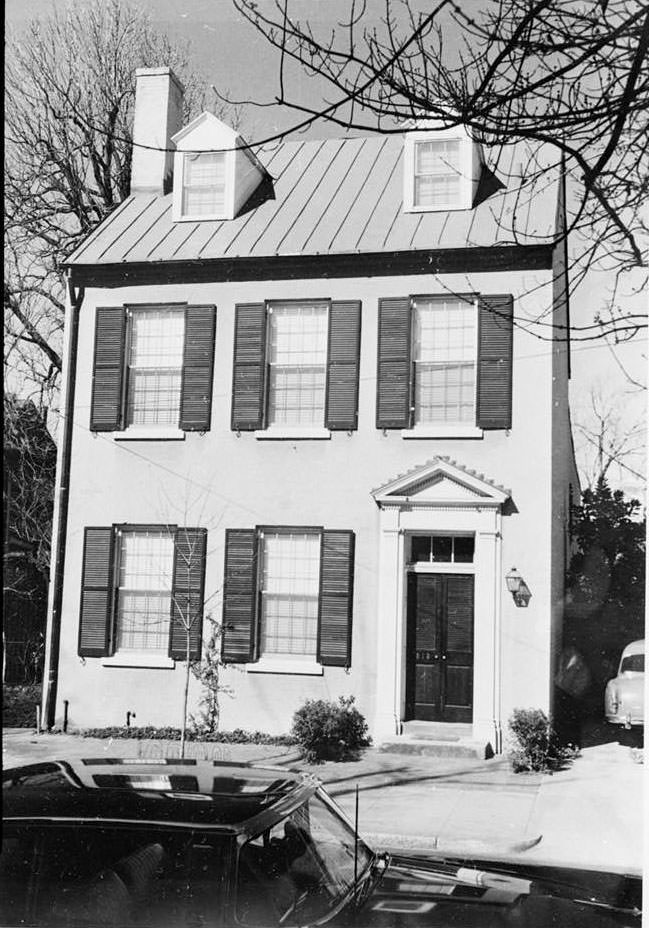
x,y
442,482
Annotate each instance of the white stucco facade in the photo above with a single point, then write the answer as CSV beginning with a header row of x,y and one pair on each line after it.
x,y
499,486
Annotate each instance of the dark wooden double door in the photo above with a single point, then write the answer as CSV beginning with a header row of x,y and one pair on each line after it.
x,y
439,647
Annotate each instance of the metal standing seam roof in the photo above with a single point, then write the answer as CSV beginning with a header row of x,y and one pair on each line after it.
x,y
333,196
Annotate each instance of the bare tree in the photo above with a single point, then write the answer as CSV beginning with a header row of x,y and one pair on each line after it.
x,y
30,462
572,76
190,599
187,606
29,465
609,438
68,132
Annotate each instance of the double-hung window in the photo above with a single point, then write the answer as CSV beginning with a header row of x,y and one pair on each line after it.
x,y
297,364
155,366
144,585
437,174
203,184
287,598
445,364
296,368
153,369
444,361
441,170
290,576
142,593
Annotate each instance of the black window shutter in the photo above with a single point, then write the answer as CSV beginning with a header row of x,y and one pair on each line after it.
x,y
393,365
198,367
343,358
249,367
496,335
239,595
97,592
336,598
187,593
108,369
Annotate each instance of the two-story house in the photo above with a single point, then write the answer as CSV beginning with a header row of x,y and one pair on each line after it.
x,y
307,398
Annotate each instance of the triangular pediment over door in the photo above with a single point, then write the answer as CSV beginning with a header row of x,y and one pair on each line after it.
x,y
442,482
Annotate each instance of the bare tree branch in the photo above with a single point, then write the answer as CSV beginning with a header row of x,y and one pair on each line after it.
x,y
68,132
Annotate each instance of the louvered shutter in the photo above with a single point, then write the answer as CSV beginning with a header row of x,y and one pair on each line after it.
x,y
239,595
495,362
249,367
336,598
198,367
393,367
108,369
97,592
187,593
343,358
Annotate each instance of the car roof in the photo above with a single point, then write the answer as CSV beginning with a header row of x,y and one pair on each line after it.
x,y
635,647
210,794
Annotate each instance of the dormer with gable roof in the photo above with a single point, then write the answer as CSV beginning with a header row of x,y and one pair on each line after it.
x,y
215,172
442,167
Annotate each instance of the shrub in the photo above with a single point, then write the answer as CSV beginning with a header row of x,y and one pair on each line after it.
x,y
19,705
537,748
330,730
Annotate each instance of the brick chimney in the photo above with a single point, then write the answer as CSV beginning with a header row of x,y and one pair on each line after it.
x,y
158,116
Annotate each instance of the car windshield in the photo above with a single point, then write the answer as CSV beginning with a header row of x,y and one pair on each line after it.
x,y
78,876
632,662
301,868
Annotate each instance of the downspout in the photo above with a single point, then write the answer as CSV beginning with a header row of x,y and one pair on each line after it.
x,y
63,496
498,682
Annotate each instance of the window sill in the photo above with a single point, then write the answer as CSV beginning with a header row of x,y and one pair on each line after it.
x,y
444,208
286,666
440,431
150,434
139,659
287,434
202,217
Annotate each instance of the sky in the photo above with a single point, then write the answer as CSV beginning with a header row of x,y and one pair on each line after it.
x,y
238,61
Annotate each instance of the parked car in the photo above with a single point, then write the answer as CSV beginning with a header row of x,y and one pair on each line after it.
x,y
624,694
190,843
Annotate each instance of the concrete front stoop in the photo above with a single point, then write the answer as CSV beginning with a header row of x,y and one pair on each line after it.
x,y
431,739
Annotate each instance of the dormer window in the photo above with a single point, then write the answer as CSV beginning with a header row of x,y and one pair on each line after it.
x,y
441,169
437,173
215,172
203,183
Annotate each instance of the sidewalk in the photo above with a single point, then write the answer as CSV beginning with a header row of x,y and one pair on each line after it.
x,y
590,815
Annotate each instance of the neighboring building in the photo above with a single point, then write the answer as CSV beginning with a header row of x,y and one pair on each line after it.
x,y
321,361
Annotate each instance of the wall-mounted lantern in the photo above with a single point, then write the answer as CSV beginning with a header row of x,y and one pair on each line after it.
x,y
518,588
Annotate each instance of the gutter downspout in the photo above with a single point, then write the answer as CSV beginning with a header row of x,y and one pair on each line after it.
x,y
498,681
63,495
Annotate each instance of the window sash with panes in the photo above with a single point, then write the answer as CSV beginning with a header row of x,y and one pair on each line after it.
x,y
203,184
442,549
437,180
290,580
155,367
444,361
144,584
297,364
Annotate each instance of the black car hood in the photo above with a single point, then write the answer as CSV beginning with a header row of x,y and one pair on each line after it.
x,y
418,891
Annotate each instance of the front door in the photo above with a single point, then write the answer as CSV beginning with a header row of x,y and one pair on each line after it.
x,y
439,647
